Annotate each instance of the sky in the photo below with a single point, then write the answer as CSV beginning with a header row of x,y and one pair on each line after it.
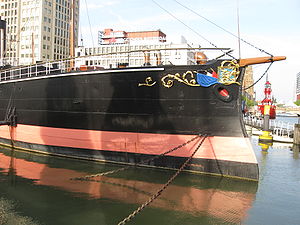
x,y
271,25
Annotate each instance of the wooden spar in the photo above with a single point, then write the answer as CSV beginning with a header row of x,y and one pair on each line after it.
x,y
258,60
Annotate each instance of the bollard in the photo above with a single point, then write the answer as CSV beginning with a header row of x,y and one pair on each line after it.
x,y
296,151
266,135
296,139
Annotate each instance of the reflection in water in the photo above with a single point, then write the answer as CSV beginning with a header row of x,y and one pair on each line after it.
x,y
265,146
45,191
296,151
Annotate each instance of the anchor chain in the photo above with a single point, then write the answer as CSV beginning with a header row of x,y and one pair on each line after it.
x,y
142,161
159,192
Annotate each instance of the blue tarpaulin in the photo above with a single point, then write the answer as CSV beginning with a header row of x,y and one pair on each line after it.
x,y
205,80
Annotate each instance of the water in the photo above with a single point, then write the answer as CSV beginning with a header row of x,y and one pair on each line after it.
x,y
287,119
37,189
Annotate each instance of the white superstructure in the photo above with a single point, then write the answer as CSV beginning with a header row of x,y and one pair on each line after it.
x,y
131,54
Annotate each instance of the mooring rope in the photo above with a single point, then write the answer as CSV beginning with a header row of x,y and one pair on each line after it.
x,y
159,192
141,162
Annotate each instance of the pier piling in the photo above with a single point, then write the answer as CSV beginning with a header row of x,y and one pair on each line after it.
x,y
296,139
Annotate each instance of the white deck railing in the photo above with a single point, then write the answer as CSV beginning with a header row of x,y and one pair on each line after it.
x,y
279,128
87,62
40,69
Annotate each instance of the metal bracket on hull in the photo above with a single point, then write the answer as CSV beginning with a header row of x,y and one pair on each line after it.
x,y
10,118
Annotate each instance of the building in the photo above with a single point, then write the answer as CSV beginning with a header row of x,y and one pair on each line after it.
x,y
298,86
109,36
39,30
248,82
2,41
133,55
129,47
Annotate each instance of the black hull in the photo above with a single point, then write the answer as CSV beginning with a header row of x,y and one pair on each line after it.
x,y
113,101
126,101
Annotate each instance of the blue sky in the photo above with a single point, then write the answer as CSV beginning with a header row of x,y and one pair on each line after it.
x,y
273,25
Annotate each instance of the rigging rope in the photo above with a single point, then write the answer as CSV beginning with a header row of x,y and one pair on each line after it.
x,y
259,78
238,37
243,40
226,53
87,12
159,192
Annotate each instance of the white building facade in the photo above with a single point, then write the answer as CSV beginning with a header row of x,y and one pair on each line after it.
x,y
38,30
110,56
298,86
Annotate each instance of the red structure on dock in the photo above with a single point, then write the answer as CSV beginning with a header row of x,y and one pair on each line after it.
x,y
268,101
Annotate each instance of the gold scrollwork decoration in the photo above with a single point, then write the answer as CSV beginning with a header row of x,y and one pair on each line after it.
x,y
187,78
228,72
148,82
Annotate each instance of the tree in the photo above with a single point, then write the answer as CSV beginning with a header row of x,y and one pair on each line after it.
x,y
297,102
248,101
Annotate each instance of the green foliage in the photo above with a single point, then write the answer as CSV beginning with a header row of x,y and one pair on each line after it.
x,y
297,102
248,101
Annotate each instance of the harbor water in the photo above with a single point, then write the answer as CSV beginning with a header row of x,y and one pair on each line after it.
x,y
38,189
288,119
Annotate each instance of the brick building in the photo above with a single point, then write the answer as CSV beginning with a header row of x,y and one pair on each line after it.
x,y
109,36
247,82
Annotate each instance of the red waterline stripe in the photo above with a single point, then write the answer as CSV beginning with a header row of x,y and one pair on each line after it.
x,y
237,149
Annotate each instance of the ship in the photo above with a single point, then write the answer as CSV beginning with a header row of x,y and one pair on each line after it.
x,y
129,115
